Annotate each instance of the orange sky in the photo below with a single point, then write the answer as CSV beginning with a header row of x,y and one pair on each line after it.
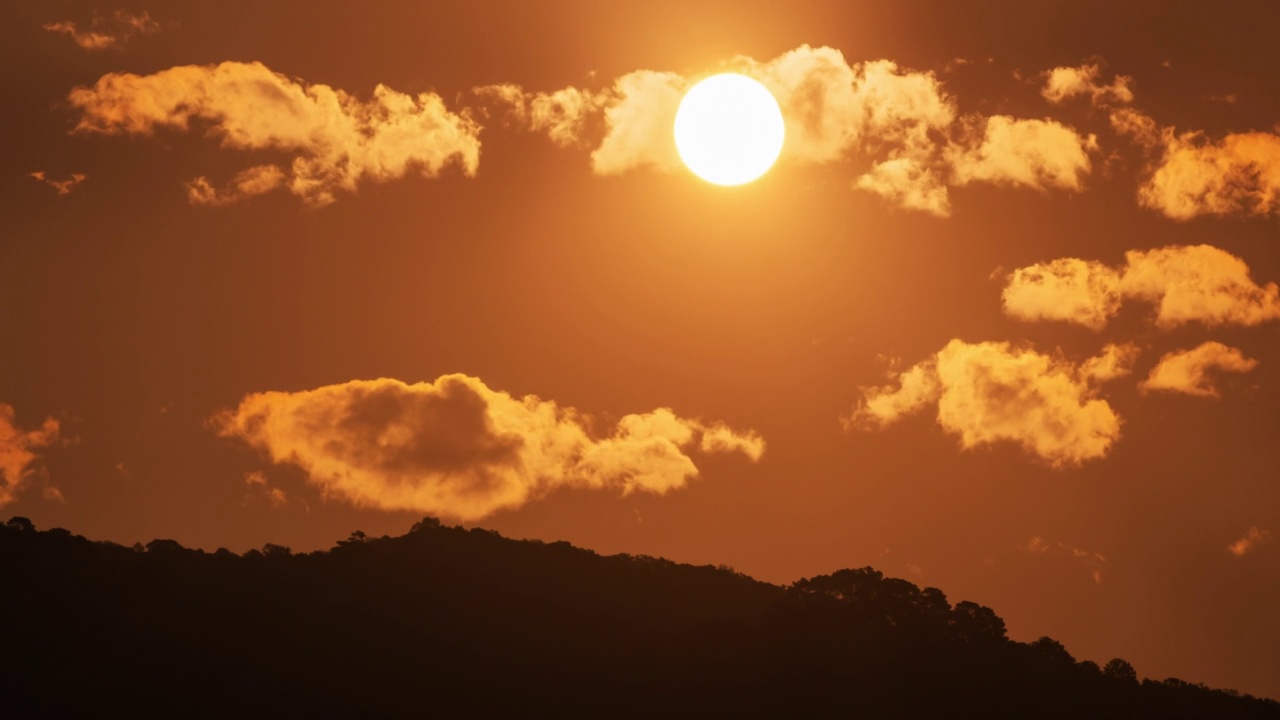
x,y
1002,319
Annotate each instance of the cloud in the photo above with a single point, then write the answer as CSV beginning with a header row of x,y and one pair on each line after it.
x,y
900,120
1038,545
1199,283
1251,540
830,108
105,32
1038,154
1237,175
1069,289
1137,125
1187,371
455,447
908,183
640,117
1186,283
336,140
1063,83
898,123
992,392
17,451
257,180
64,187
1191,175
570,117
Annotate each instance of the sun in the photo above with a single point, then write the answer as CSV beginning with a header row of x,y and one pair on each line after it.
x,y
729,129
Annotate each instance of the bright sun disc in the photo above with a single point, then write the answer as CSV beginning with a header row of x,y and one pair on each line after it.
x,y
729,129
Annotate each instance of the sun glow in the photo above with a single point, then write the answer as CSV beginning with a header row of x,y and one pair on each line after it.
x,y
729,129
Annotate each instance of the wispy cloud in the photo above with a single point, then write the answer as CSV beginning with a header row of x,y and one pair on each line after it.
x,y
1092,561
64,187
1252,539
257,180
18,449
258,483
455,447
107,31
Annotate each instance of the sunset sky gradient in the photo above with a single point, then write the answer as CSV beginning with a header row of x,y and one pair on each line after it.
x,y
1003,318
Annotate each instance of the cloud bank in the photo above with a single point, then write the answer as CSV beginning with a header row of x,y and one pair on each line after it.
x,y
993,392
18,452
336,140
1186,284
456,448
899,132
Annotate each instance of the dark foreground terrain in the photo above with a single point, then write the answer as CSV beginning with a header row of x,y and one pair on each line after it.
x,y
454,622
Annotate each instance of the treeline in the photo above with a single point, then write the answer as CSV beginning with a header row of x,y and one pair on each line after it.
x,y
456,622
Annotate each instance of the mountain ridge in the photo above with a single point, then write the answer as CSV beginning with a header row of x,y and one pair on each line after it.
x,y
465,621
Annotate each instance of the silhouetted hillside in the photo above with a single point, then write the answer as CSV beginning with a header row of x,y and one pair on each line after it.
x,y
465,622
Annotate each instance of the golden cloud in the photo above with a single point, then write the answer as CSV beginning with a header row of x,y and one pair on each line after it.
x,y
1069,289
1038,154
105,32
337,140
64,187
1137,125
908,183
1192,175
1187,371
1186,283
454,447
1094,561
829,106
1063,83
1237,175
17,452
1251,540
899,119
257,180
991,392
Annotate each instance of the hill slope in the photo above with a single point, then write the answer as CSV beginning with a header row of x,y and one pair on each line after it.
x,y
454,621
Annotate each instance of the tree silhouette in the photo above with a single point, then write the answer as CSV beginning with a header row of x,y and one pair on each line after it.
x,y
451,621
1120,670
